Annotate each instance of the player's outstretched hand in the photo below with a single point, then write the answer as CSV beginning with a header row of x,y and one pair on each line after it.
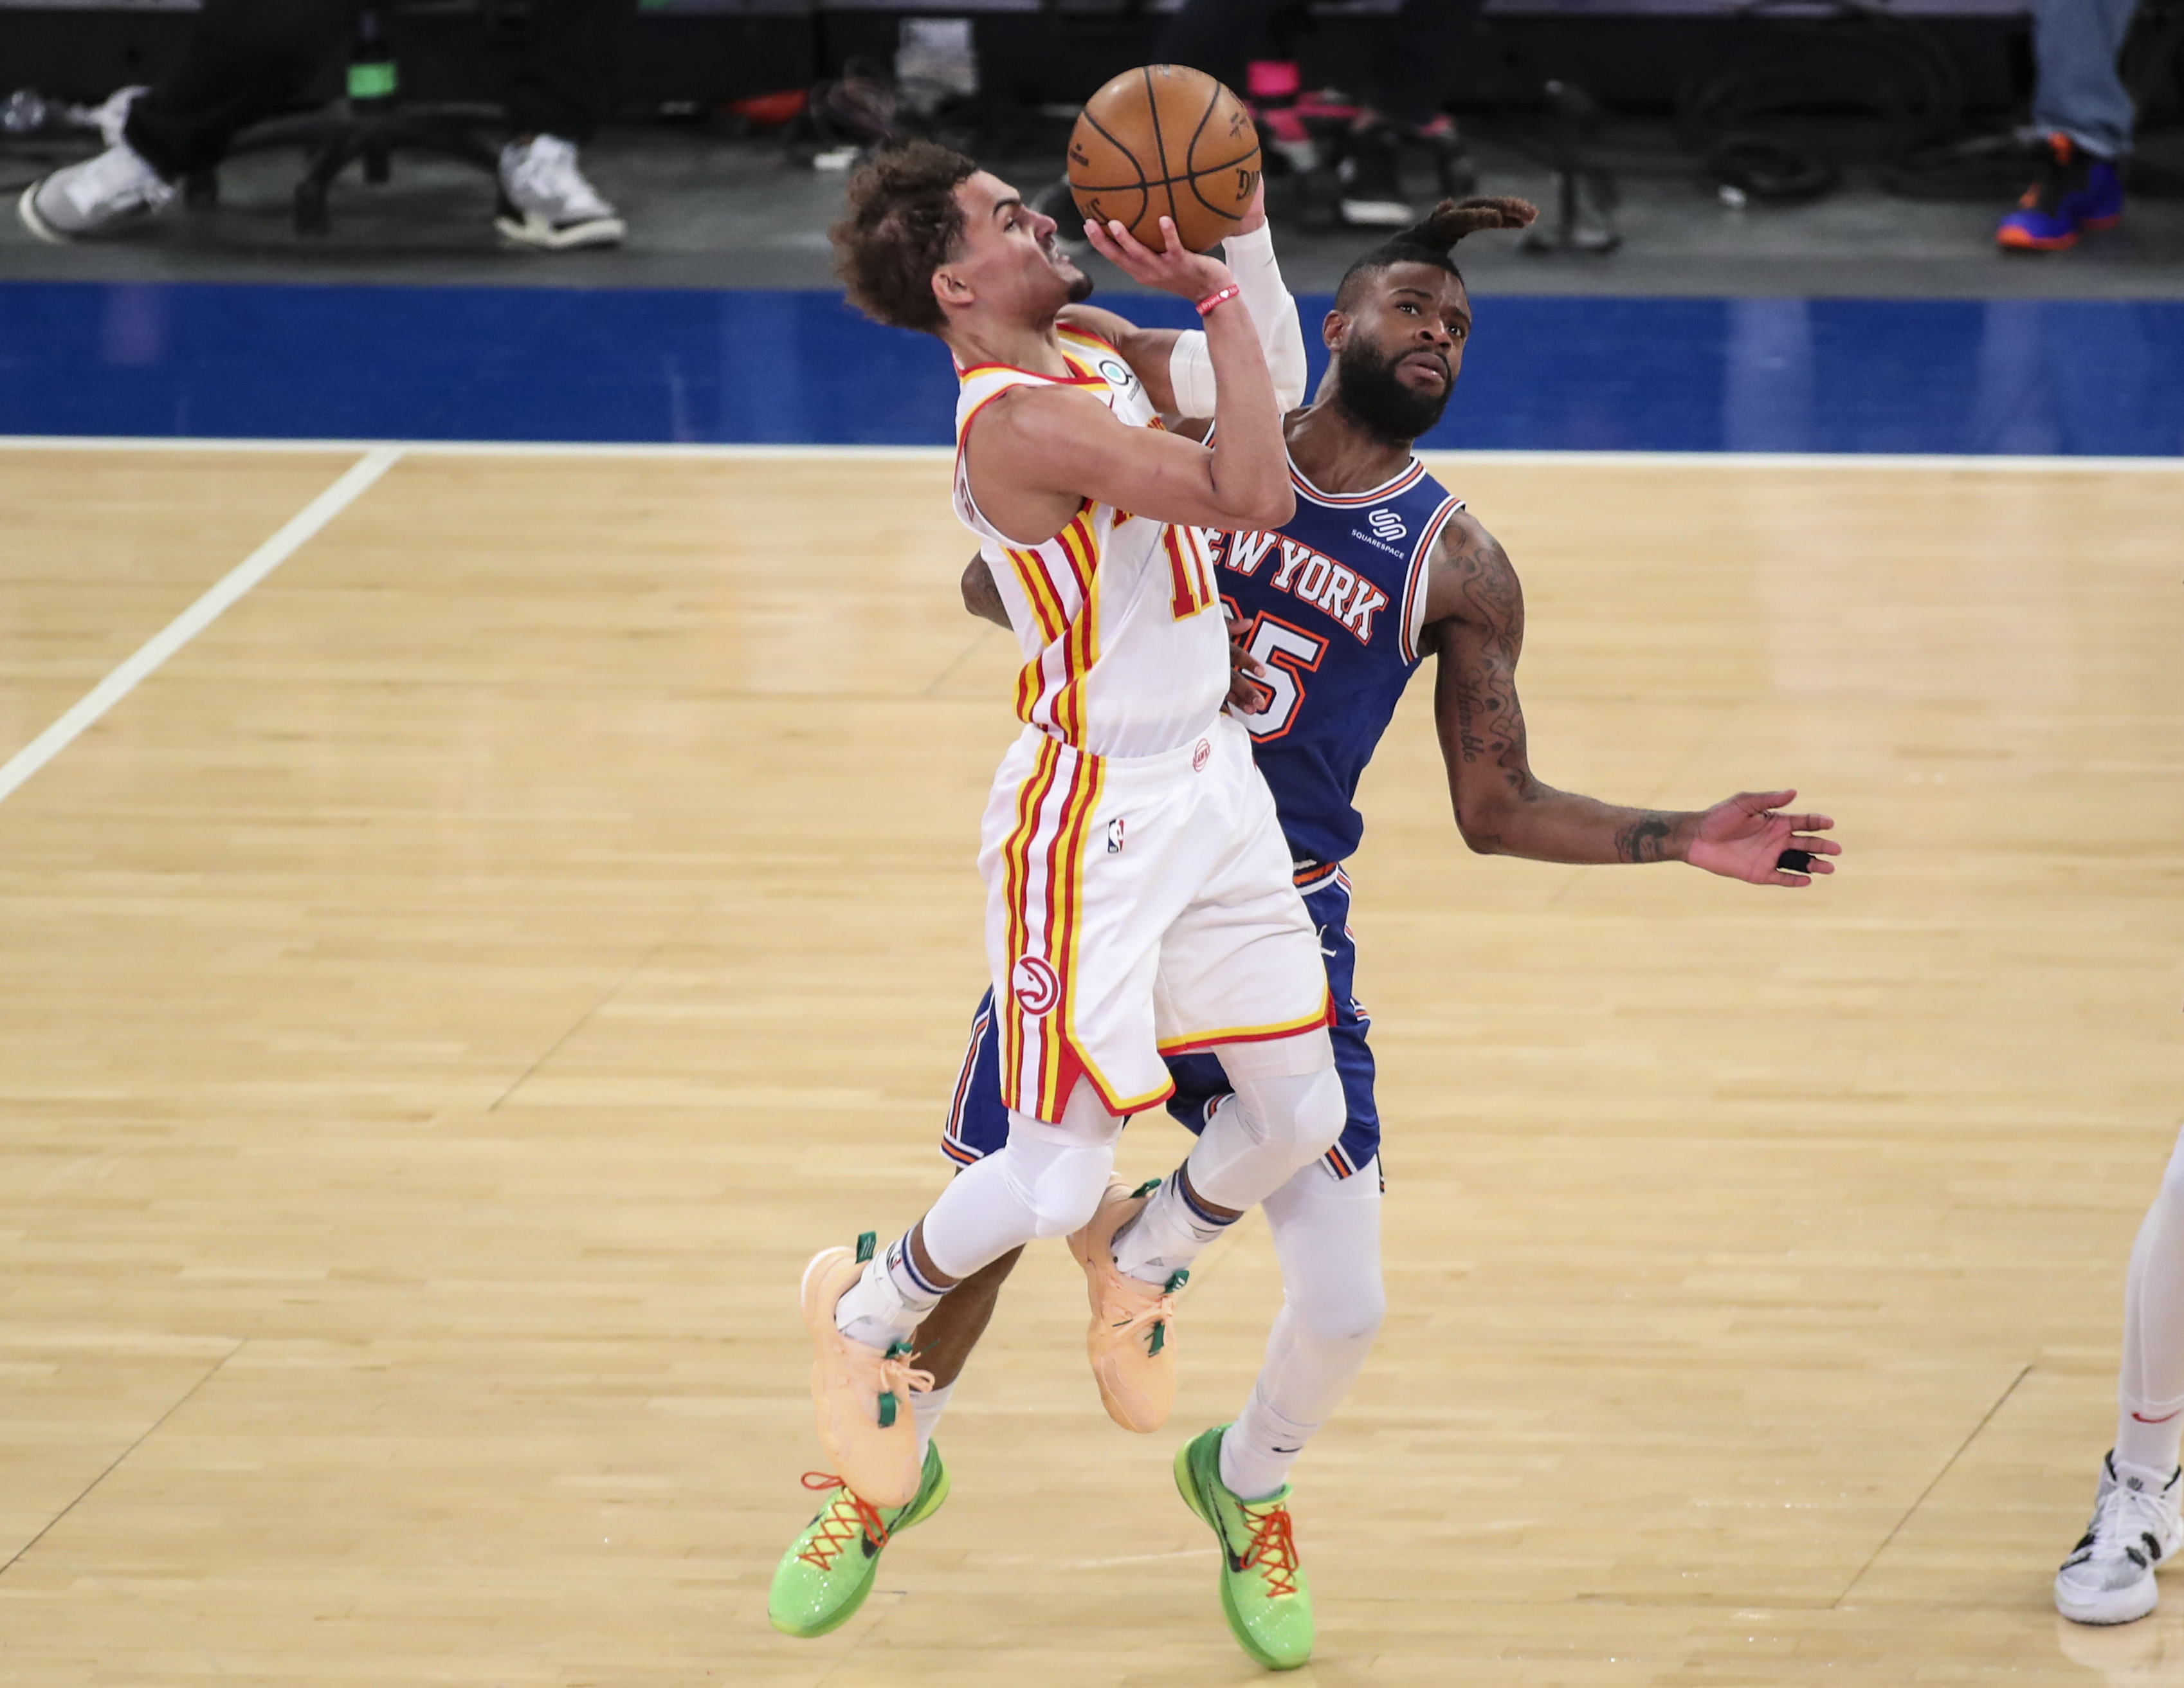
x,y
1745,838
1177,269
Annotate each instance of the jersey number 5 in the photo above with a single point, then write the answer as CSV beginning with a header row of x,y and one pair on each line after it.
x,y
1289,654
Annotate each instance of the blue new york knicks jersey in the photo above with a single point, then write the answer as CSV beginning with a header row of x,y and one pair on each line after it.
x,y
1333,605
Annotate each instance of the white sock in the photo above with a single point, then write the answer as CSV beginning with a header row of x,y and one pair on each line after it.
x,y
927,1408
2150,1390
1168,1234
889,1301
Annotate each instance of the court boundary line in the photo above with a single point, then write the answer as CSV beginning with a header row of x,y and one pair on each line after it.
x,y
291,537
1930,463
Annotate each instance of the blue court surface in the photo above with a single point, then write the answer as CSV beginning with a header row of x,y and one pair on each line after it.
x,y
1926,376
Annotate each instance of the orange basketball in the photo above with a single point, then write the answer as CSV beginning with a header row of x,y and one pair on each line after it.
x,y
1165,140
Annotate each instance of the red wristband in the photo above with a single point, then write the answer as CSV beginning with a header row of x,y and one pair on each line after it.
x,y
1213,301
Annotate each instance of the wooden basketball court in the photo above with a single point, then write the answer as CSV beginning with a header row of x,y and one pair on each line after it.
x,y
446,1002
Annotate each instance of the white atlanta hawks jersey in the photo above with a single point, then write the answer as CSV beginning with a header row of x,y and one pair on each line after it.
x,y
1124,650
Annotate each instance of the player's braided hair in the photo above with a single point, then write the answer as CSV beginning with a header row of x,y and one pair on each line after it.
x,y
1432,237
902,223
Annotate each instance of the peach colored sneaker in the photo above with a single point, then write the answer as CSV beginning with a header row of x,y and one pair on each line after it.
x,y
863,1395
1132,1339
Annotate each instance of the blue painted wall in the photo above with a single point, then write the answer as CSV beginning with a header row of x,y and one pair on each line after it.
x,y
538,364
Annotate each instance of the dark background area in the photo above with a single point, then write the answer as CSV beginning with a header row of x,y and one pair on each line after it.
x,y
679,58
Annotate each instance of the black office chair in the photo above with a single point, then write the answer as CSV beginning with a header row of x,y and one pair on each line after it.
x,y
372,122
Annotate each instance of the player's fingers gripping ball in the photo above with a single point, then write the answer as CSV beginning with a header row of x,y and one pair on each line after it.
x,y
1165,140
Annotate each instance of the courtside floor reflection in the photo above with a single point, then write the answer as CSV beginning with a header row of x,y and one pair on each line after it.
x,y
642,365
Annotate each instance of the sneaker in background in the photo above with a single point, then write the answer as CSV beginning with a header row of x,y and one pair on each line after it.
x,y
2074,191
84,197
1371,189
546,202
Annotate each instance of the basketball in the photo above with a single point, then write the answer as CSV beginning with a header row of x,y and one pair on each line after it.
x,y
1165,140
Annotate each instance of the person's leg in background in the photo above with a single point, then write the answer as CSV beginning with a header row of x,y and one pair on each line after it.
x,y
1410,81
560,87
245,61
2084,119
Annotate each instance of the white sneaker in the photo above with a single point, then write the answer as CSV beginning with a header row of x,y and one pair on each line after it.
x,y
74,201
112,117
545,201
2109,1578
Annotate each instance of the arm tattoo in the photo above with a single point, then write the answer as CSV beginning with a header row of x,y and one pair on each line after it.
x,y
1490,720
1646,839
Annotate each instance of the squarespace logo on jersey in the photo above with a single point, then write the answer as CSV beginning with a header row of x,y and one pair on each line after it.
x,y
1310,577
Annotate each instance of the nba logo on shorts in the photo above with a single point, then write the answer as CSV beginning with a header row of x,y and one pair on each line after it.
x,y
1200,757
1033,984
1115,836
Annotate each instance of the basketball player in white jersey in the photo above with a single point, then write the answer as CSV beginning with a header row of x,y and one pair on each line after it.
x,y
2109,1576
1139,895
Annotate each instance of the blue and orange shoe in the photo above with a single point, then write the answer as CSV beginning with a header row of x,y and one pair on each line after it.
x,y
2074,191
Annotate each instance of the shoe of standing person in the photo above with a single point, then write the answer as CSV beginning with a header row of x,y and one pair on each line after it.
x,y
2109,1578
546,202
1372,190
84,197
2074,191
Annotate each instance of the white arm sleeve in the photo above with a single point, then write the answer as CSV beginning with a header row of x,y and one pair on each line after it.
x,y
1251,260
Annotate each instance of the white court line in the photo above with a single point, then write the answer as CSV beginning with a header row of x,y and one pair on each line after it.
x,y
294,535
1957,464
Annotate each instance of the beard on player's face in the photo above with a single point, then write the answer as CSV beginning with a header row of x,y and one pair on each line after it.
x,y
1369,392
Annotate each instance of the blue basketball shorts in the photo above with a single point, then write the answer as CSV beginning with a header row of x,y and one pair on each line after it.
x,y
979,1118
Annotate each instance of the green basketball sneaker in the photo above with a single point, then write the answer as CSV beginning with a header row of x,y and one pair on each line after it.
x,y
1263,1592
829,1570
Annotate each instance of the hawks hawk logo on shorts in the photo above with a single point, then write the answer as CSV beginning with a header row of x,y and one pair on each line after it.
x,y
1033,984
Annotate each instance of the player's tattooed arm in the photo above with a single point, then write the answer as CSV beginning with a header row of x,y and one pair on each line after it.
x,y
981,597
1475,620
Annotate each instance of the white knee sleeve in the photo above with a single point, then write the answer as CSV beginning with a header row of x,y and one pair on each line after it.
x,y
1044,1183
1272,1125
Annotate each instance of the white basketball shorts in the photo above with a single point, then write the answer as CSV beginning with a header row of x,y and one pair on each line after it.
x,y
1138,907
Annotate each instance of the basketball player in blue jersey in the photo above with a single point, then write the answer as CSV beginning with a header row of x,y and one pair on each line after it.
x,y
1333,612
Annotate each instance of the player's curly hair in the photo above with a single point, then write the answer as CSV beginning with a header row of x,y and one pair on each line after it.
x,y
1432,238
901,225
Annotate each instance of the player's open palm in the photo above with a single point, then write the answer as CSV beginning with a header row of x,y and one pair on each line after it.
x,y
1176,269
1747,837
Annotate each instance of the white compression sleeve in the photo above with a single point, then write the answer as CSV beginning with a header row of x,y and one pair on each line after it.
x,y
1326,1234
1273,1123
1044,1181
1250,258
2150,1391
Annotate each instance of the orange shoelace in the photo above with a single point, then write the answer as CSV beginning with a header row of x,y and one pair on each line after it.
x,y
1273,1549
846,1517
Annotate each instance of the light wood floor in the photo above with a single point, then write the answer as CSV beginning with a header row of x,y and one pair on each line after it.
x,y
442,1009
